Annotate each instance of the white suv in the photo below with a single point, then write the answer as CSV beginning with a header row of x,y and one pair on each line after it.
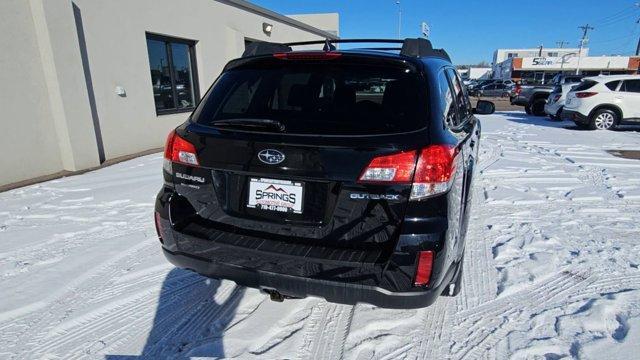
x,y
562,86
602,102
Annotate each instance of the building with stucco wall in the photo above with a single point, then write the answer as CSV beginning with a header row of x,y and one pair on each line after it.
x,y
87,81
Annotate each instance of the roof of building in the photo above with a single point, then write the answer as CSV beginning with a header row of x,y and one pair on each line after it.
x,y
247,6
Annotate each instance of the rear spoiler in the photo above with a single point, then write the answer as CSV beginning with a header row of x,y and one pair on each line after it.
x,y
410,47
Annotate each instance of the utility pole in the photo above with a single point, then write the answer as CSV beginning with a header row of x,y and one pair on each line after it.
x,y
540,50
585,31
399,20
562,43
638,47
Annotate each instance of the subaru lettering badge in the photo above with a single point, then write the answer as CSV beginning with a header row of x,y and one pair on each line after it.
x,y
271,157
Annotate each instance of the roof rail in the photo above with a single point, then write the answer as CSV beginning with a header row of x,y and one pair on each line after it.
x,y
264,48
410,47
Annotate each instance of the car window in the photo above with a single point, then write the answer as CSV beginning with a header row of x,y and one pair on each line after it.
x,y
448,105
630,86
333,98
461,99
585,85
613,85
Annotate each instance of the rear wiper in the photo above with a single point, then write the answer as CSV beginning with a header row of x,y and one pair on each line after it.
x,y
256,123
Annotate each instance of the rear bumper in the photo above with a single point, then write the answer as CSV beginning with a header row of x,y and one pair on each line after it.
x,y
574,116
552,109
295,286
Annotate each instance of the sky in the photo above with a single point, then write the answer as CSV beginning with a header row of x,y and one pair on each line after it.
x,y
471,30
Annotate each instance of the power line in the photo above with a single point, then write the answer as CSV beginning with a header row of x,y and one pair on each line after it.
x,y
616,21
617,14
562,43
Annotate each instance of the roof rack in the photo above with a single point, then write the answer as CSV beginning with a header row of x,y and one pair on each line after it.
x,y
410,47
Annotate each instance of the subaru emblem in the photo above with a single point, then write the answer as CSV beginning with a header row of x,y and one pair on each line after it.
x,y
271,156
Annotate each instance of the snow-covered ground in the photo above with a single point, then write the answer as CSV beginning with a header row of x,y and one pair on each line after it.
x,y
551,270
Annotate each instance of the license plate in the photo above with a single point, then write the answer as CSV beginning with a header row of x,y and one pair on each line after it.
x,y
275,195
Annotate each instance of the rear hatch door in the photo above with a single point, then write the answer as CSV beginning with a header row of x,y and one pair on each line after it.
x,y
283,143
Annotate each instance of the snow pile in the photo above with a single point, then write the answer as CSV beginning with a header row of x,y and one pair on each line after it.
x,y
551,269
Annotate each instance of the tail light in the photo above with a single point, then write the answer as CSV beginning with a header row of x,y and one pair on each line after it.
x,y
308,55
582,95
423,269
180,150
390,169
429,171
434,172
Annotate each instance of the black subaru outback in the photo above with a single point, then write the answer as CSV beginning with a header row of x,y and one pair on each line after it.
x,y
343,174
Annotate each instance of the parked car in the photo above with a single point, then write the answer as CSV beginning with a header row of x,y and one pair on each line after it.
x,y
604,102
556,100
534,97
287,179
494,90
473,88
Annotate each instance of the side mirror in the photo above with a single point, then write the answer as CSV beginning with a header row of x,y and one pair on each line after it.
x,y
484,107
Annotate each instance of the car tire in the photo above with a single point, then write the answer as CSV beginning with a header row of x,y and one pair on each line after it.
x,y
559,114
603,119
527,109
456,283
537,108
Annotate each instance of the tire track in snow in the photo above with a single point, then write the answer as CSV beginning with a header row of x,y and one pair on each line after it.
x,y
481,329
112,324
326,331
79,292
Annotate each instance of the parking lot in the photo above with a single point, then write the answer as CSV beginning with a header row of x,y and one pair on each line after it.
x,y
551,268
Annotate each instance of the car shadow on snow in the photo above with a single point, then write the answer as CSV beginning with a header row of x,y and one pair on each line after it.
x,y
188,321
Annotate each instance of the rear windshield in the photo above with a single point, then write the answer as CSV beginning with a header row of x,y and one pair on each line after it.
x,y
325,98
585,85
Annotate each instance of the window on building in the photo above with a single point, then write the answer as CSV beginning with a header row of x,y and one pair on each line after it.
x,y
630,86
552,54
173,73
512,55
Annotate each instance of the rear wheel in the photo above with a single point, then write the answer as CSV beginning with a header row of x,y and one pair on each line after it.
x,y
604,119
455,286
537,108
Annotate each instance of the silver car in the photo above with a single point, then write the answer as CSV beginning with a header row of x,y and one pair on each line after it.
x,y
495,90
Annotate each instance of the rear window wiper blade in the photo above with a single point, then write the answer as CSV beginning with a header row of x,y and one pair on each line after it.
x,y
256,123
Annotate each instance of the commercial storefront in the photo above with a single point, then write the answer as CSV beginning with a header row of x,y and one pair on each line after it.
x,y
88,81
543,69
